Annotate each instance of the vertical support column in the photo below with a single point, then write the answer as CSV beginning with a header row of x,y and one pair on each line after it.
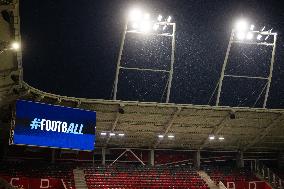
x,y
151,157
103,156
197,159
119,60
270,72
224,68
172,63
240,159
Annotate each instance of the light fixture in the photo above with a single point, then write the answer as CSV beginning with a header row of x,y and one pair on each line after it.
x,y
121,134
211,137
111,134
241,25
15,46
165,26
171,136
103,134
161,136
259,37
135,15
160,17
249,35
266,37
251,27
145,26
241,35
169,19
221,138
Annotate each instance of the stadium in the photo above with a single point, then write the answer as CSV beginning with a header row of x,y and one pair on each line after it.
x,y
56,141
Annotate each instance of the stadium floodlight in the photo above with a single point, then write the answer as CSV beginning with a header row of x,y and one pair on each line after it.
x,y
139,22
103,133
245,35
241,25
241,35
171,136
221,138
135,15
161,136
121,134
169,19
111,134
145,26
160,17
211,137
249,35
259,37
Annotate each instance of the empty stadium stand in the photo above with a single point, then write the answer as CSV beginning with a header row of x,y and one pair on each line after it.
x,y
144,177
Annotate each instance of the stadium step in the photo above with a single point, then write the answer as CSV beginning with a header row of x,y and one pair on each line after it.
x,y
208,180
79,177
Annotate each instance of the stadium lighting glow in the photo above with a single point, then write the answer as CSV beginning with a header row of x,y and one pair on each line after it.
x,y
266,37
160,17
251,27
135,15
103,134
169,19
147,16
165,26
135,25
241,25
145,26
121,134
171,136
241,35
249,35
15,46
259,37
156,27
211,137
161,136
263,28
111,134
221,138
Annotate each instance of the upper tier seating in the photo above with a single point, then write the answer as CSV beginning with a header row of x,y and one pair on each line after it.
x,y
143,177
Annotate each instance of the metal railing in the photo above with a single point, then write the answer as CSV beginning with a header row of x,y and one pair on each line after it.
x,y
269,176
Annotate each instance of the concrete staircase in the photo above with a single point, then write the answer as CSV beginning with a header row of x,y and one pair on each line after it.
x,y
79,178
208,180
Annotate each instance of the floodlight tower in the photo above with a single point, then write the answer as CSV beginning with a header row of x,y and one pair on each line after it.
x,y
141,23
242,33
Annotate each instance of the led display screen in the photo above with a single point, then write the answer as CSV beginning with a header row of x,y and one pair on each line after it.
x,y
45,125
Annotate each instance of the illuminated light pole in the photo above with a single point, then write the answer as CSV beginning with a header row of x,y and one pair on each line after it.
x,y
244,34
141,23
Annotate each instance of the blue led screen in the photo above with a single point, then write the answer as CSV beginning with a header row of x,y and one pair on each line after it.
x,y
39,124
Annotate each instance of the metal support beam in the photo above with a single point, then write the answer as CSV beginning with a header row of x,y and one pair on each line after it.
x,y
240,159
197,160
119,60
265,131
151,157
103,156
270,72
136,156
216,130
172,64
113,127
223,68
119,157
168,126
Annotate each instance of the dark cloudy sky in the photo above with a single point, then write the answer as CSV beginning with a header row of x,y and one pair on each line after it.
x,y
71,47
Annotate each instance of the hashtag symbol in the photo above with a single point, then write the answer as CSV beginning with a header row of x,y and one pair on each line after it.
x,y
35,123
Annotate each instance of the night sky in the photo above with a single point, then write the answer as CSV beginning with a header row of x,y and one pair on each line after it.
x,y
71,48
